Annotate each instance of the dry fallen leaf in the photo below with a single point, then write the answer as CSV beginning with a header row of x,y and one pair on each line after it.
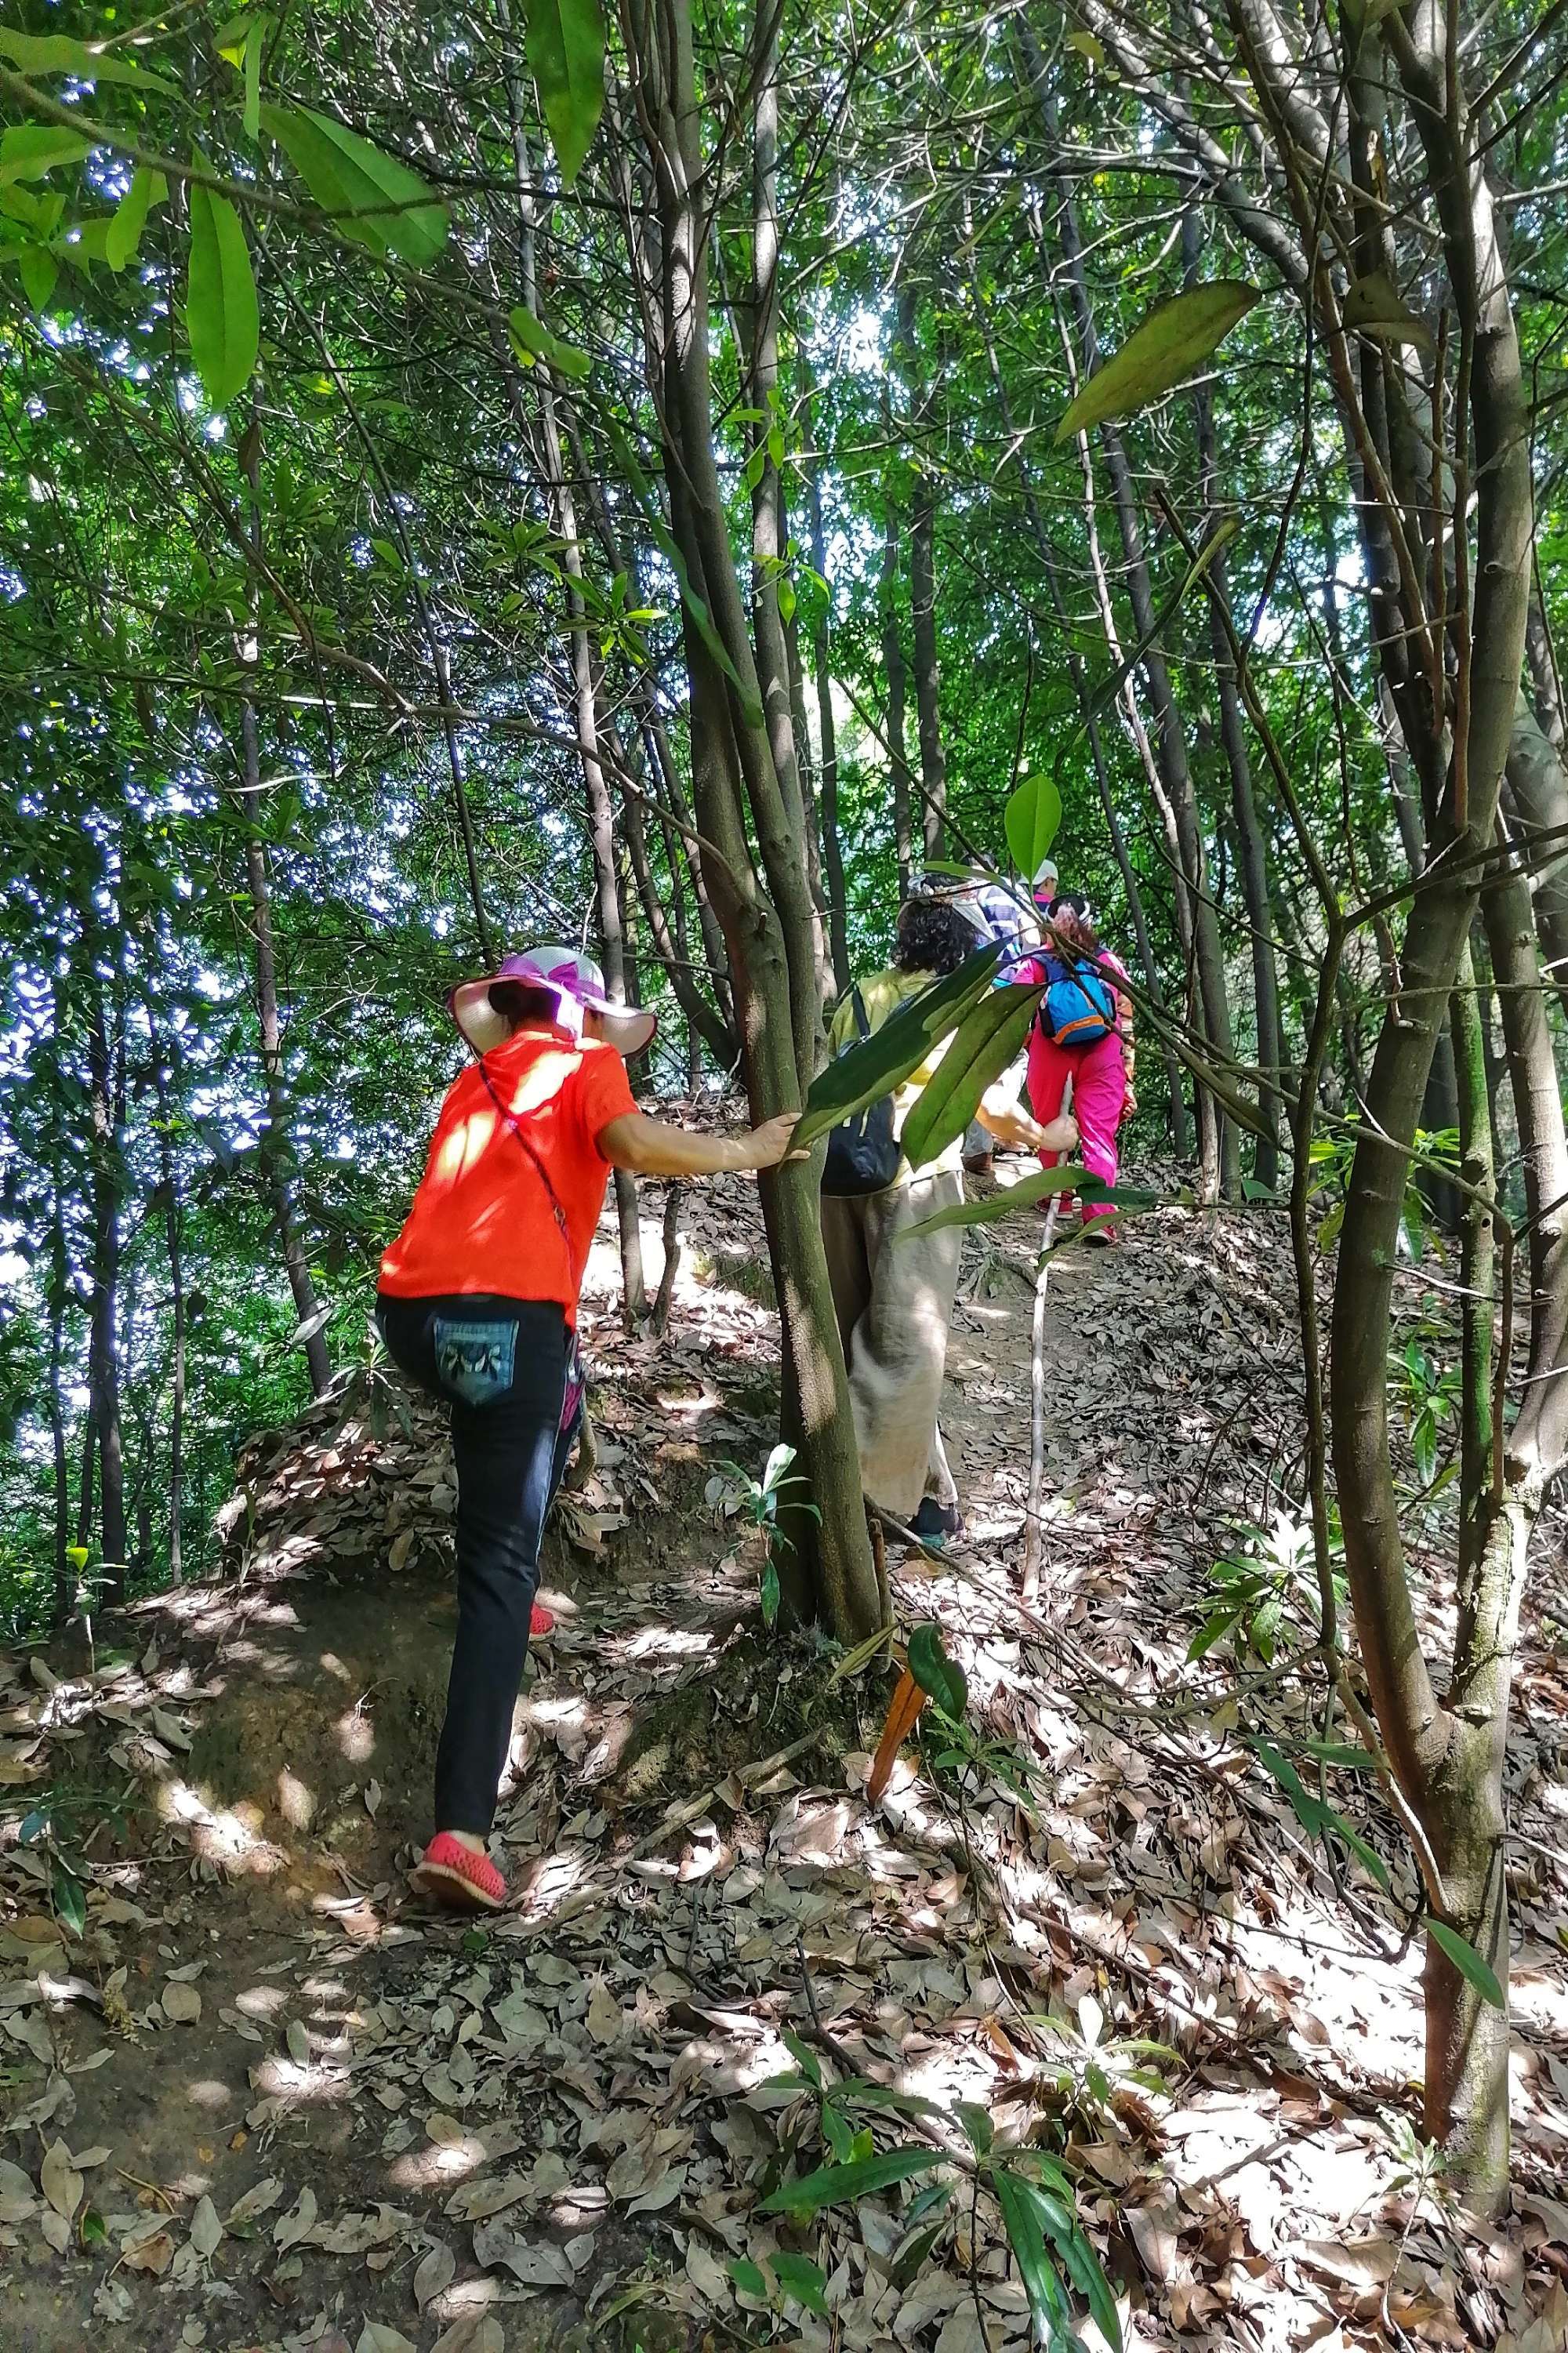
x,y
257,2201
290,2228
182,2004
475,2332
18,2198
154,2252
299,2042
60,2180
207,2231
605,2018
377,2337
435,2274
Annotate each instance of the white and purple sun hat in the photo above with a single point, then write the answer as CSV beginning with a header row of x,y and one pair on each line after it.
x,y
578,987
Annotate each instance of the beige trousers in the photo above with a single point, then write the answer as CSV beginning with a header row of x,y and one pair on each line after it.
x,y
894,1303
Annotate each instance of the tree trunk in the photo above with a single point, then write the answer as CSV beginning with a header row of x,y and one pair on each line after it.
x,y
275,1149
922,622
893,663
771,933
827,798
174,1244
106,1087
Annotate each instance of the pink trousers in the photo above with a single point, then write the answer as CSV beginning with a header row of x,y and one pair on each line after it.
x,y
1098,1078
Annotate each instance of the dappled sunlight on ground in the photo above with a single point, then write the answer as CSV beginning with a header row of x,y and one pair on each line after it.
x,y
1101,1924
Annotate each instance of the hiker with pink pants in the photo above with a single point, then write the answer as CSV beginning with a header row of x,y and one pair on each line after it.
x,y
1083,1034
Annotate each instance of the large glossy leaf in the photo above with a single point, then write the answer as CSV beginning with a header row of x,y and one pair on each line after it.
x,y
940,1677
53,53
1467,1961
1372,306
1175,338
1034,812
28,150
1042,2285
834,2184
991,1211
221,315
984,1043
372,196
882,1062
564,45
130,216
533,342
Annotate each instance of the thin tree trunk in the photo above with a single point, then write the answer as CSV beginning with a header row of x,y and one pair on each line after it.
x,y
103,1346
923,620
893,663
275,1147
773,936
827,798
174,1243
1251,856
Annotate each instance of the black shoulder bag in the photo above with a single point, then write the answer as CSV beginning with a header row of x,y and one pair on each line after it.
x,y
863,1152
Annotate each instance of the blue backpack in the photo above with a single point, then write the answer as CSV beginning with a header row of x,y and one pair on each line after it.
x,y
1079,1008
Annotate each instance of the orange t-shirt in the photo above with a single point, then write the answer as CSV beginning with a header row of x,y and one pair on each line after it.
x,y
482,1218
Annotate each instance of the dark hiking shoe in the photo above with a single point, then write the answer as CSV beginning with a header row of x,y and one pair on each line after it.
x,y
937,1524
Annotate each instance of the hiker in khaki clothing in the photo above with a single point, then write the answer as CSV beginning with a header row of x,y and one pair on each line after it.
x,y
894,1298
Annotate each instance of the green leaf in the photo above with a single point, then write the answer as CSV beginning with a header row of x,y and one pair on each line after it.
x,y
372,196
70,1900
52,53
978,2129
876,1065
801,2279
1033,814
28,150
1372,306
1175,338
1087,46
1213,1630
77,1556
255,38
701,619
835,2185
92,2230
221,316
748,2277
1369,1855
1042,2283
1022,1196
130,216
1467,1960
940,1677
39,271
983,1045
770,1592
564,45
534,341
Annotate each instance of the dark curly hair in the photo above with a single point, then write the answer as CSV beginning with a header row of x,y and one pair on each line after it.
x,y
933,935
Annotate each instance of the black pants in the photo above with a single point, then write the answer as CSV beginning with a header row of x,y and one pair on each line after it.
x,y
502,1367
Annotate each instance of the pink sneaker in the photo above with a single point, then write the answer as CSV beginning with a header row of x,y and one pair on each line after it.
x,y
452,1874
543,1622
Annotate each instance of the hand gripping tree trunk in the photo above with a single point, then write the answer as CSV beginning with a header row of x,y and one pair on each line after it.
x,y
763,898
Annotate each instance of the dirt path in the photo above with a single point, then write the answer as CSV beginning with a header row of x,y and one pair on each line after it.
x,y
287,2110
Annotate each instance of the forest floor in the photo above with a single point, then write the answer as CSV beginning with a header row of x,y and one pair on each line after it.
x,y
255,2097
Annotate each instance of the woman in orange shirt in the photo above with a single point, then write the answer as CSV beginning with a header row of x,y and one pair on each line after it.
x,y
478,1302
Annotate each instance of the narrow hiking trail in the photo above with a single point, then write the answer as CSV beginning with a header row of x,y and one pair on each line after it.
x,y
263,2100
